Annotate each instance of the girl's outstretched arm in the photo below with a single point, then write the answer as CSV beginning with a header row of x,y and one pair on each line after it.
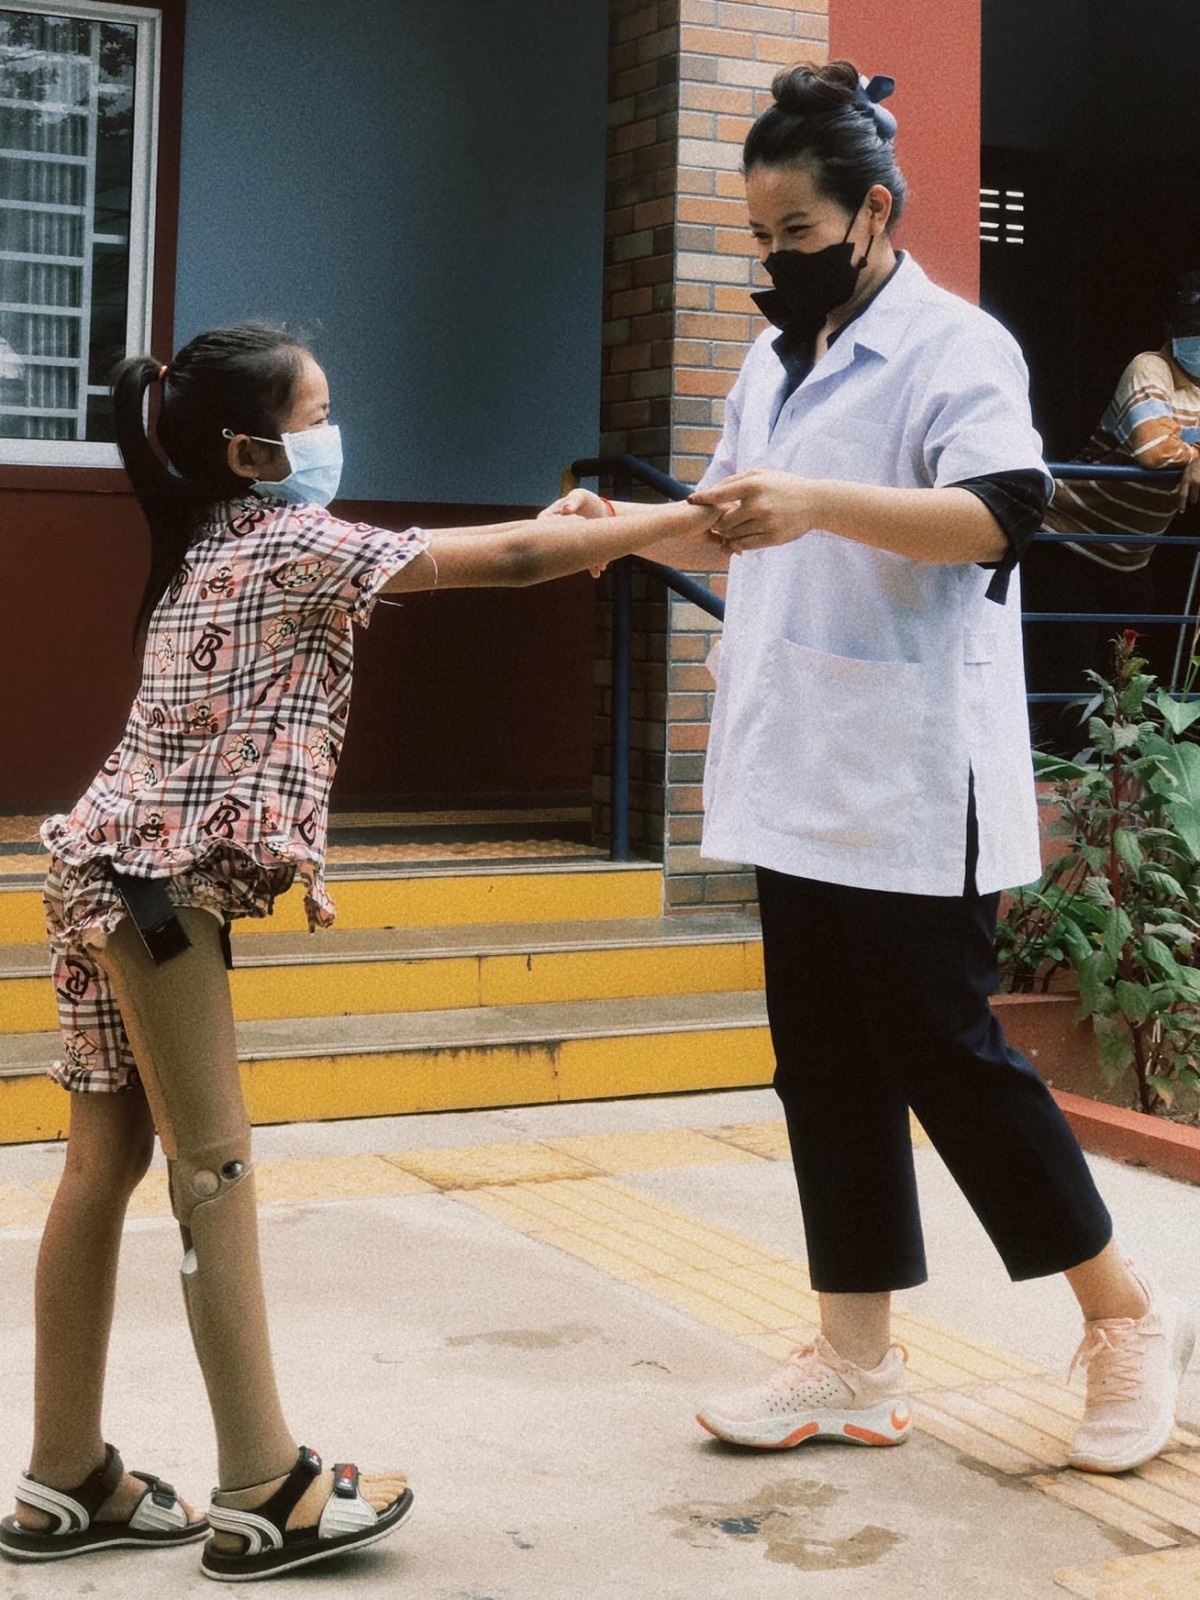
x,y
517,554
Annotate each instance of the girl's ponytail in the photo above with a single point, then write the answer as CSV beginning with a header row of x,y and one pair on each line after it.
x,y
167,504
242,379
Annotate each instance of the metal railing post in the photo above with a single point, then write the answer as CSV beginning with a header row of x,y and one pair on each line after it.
x,y
622,609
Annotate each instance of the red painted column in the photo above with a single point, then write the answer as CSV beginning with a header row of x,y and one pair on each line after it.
x,y
932,49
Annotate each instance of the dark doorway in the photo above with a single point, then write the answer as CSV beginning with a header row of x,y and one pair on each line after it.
x,y
1091,126
1093,111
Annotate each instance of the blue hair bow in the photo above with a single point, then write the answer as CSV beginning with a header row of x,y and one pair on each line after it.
x,y
870,93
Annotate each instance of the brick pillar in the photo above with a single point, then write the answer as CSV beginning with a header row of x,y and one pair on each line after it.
x,y
686,78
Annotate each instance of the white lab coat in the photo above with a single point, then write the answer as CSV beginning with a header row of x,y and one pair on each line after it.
x,y
858,690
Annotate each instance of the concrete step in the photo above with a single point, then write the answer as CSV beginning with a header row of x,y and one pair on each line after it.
x,y
316,1069
424,897
371,971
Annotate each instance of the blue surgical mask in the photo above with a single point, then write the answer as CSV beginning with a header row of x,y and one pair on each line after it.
x,y
1187,353
315,457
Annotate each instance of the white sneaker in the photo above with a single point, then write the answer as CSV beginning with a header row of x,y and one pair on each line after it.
x,y
1134,1367
815,1393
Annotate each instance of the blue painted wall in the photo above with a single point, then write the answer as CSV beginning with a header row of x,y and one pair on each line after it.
x,y
419,185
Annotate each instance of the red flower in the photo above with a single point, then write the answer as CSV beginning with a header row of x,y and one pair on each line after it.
x,y
1129,638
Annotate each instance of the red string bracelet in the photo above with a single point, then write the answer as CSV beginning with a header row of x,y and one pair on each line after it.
x,y
612,510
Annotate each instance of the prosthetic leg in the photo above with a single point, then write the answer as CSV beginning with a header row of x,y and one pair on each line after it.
x,y
179,1021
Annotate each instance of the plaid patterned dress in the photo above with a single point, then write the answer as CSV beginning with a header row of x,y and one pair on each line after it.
x,y
220,783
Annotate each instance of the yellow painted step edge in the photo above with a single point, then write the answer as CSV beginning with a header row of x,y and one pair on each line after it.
x,y
433,900
331,1087
444,983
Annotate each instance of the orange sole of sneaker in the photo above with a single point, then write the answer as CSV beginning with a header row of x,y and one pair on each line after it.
x,y
849,1432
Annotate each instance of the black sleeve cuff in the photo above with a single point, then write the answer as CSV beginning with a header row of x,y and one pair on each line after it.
x,y
1018,501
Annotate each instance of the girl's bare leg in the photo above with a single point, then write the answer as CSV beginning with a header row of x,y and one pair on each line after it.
x,y
108,1151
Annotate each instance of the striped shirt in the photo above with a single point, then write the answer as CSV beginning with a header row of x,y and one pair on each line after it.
x,y
233,740
1153,420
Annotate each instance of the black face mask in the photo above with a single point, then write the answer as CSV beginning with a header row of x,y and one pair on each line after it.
x,y
809,284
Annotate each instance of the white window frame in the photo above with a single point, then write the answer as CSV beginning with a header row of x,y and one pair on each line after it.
x,y
143,183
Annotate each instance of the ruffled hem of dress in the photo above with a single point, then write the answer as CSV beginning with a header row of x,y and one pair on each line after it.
x,y
319,908
76,1081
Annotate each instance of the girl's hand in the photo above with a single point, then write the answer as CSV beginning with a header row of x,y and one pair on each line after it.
x,y
579,503
761,508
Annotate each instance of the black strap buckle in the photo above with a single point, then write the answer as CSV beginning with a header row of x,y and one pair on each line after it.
x,y
152,914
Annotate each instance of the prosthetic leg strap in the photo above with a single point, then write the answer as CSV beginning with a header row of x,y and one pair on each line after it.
x,y
152,914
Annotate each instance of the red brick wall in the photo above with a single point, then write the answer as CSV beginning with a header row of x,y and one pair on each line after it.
x,y
687,77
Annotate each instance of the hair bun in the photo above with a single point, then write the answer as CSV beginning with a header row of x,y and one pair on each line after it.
x,y
821,91
812,91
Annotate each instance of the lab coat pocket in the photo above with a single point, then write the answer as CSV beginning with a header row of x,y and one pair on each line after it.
x,y
834,754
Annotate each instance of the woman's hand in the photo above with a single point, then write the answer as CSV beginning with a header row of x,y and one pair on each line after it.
x,y
1189,484
580,503
762,508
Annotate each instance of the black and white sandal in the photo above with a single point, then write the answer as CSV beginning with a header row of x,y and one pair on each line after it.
x,y
158,1519
347,1522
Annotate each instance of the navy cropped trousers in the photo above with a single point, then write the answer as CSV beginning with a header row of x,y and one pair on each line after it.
x,y
878,1002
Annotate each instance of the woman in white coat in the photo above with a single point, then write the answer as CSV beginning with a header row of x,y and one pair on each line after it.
x,y
878,478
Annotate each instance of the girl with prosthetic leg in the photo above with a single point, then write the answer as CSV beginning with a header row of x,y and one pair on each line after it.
x,y
213,804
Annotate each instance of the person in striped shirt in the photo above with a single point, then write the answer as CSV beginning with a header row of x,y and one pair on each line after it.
x,y
1152,421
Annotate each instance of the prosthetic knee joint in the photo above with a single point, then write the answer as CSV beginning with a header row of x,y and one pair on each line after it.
x,y
210,1192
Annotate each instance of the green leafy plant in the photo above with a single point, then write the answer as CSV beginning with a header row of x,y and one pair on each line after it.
x,y
1121,906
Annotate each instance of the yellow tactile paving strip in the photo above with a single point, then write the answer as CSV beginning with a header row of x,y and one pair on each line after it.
x,y
1167,1575
988,1404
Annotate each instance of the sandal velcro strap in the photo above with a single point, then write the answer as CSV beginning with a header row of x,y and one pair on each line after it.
x,y
345,1511
265,1527
73,1509
159,1510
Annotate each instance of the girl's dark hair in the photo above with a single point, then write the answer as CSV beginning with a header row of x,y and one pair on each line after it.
x,y
821,121
242,378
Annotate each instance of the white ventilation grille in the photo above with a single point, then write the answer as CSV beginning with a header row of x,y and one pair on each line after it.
x,y
1002,216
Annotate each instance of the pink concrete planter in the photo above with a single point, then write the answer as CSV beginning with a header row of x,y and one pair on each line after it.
x,y
1043,1028
1167,1147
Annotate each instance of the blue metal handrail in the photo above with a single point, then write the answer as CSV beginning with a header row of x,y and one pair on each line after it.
x,y
631,469
1072,470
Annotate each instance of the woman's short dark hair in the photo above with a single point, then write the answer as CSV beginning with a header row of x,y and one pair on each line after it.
x,y
821,121
242,378
1183,303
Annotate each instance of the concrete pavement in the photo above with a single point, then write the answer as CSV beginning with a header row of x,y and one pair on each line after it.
x,y
524,1307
